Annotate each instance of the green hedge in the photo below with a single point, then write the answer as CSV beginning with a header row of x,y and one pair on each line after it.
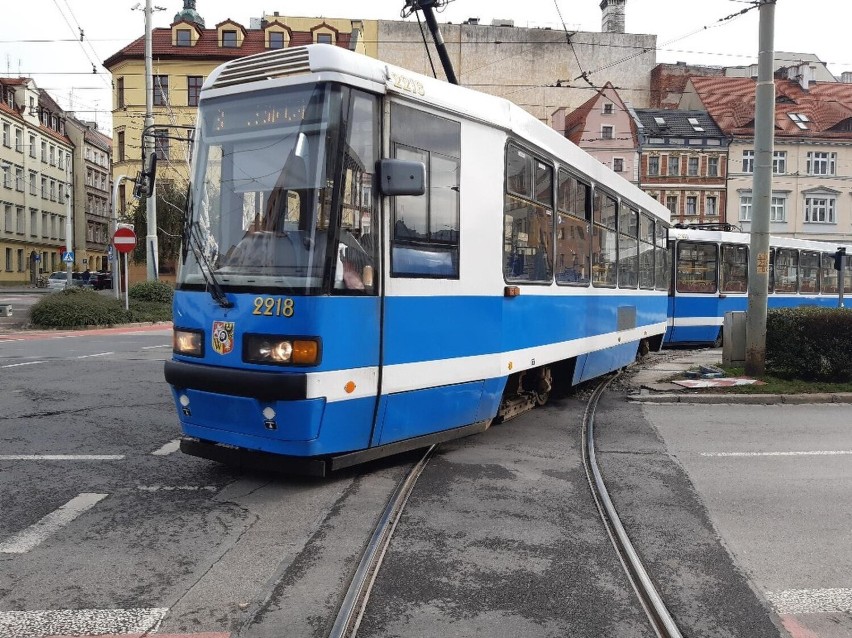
x,y
810,343
79,307
156,291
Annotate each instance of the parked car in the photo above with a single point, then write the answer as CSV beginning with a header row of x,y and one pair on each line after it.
x,y
101,280
57,280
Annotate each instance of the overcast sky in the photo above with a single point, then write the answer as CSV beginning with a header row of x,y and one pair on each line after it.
x,y
40,38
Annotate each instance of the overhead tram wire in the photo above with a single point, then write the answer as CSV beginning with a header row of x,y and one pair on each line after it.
x,y
82,37
583,74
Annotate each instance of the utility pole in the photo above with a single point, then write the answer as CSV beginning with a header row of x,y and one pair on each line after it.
x,y
151,247
69,222
764,132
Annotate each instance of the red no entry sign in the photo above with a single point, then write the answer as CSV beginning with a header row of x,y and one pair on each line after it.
x,y
124,240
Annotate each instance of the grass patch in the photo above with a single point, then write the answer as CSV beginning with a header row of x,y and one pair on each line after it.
x,y
771,385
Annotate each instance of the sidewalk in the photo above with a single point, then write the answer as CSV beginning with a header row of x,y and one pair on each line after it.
x,y
654,385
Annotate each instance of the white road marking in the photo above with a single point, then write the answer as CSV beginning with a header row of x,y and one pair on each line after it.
x,y
27,539
168,448
100,354
61,457
165,345
176,488
16,365
811,601
813,453
79,622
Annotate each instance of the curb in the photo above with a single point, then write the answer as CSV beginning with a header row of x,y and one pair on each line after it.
x,y
744,399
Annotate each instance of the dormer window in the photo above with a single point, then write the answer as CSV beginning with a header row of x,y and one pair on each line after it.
x,y
183,38
324,34
276,40
229,39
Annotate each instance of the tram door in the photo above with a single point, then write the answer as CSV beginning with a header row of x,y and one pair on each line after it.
x,y
419,324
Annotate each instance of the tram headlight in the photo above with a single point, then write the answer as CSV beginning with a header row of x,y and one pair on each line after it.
x,y
277,350
188,342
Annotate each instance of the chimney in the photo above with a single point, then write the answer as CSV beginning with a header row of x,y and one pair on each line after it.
x,y
612,20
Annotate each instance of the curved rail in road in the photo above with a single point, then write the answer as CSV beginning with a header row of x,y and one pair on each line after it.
x,y
662,622
355,601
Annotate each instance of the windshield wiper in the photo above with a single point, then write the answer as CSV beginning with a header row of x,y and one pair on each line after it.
x,y
192,238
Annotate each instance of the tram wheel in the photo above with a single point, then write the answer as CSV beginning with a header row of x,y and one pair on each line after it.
x,y
544,386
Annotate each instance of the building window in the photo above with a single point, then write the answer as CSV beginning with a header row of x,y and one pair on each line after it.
x,y
184,38
713,167
779,162
674,165
778,210
161,143
711,208
276,40
748,161
33,146
821,163
33,183
654,165
7,175
229,39
819,210
618,164
120,145
161,90
607,132
7,134
745,208
119,93
19,140
692,167
193,89
19,179
607,108
671,204
324,38
691,205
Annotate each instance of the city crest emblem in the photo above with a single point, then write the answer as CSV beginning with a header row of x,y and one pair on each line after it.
x,y
223,336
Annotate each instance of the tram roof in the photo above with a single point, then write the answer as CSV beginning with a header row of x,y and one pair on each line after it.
x,y
387,78
729,237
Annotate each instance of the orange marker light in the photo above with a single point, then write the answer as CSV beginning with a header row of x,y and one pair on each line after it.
x,y
349,387
305,352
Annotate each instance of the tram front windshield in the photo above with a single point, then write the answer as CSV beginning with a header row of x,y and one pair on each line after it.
x,y
281,196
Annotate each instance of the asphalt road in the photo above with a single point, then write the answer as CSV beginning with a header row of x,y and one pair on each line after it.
x,y
106,529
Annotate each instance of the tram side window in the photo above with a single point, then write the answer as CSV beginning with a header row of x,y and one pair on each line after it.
x,y
628,248
809,269
604,249
734,268
662,255
829,274
527,218
786,269
646,252
573,230
696,267
425,234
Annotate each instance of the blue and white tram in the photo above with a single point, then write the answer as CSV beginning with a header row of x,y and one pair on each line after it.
x,y
711,278
327,313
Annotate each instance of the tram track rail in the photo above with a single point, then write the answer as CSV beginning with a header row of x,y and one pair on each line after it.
x,y
358,593
658,614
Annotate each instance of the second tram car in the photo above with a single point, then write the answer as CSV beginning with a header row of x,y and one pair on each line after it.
x,y
376,260
711,278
